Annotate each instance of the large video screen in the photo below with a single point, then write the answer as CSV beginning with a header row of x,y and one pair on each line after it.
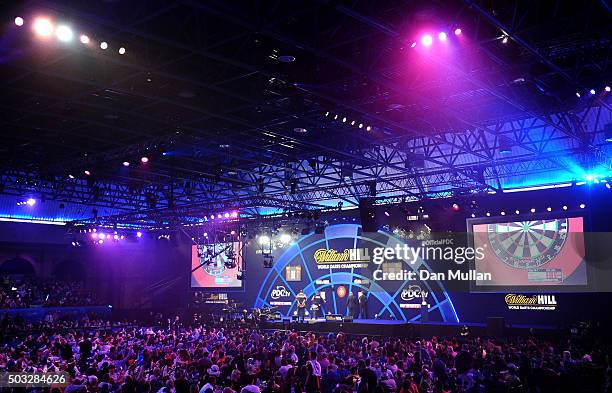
x,y
211,265
541,251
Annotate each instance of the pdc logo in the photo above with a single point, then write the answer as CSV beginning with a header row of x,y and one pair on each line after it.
x,y
279,291
414,292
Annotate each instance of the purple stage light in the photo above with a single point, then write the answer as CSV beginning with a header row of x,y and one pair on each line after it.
x,y
442,36
592,91
102,236
144,160
116,237
607,88
457,31
212,216
138,234
31,202
426,40
94,235
100,241
126,163
226,215
219,215
413,45
234,214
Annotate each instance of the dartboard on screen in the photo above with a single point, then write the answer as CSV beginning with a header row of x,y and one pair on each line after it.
x,y
528,244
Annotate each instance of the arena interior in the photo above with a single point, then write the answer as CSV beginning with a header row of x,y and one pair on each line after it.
x,y
326,196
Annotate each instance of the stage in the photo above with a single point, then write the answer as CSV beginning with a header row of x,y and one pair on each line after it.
x,y
377,327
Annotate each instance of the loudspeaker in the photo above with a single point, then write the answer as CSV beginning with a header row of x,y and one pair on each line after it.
x,y
367,214
496,326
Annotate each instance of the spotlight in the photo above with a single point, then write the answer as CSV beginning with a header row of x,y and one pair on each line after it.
x,y
608,186
126,163
503,213
353,122
19,21
234,214
101,236
144,160
426,40
87,173
43,27
564,207
344,119
212,216
100,241
455,207
84,39
138,234
442,36
607,88
582,205
205,234
532,210
457,31
517,212
387,213
335,117
64,33
94,235
578,94
31,202
413,45
122,51
103,45
505,39
488,214
360,125
368,128
326,114
592,92
263,239
226,215
71,176
285,238
473,215
116,237
219,215
232,233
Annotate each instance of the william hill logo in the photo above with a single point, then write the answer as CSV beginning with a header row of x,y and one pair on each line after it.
x,y
531,302
331,256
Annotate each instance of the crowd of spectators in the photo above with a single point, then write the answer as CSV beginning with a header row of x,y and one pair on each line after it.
x,y
173,359
28,292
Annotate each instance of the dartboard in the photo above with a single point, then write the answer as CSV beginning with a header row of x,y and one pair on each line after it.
x,y
527,244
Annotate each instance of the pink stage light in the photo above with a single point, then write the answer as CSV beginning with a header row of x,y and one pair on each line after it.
x,y
43,27
457,31
212,216
226,215
219,215
144,160
442,36
100,241
234,214
116,237
426,40
138,234
101,236
94,235
413,45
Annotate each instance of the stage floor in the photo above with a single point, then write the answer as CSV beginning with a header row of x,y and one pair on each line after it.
x,y
378,327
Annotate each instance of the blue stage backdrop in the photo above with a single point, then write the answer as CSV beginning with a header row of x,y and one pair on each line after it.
x,y
339,262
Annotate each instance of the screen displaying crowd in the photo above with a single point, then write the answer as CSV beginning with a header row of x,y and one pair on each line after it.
x,y
174,359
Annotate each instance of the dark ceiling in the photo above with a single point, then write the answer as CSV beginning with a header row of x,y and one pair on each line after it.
x,y
206,92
